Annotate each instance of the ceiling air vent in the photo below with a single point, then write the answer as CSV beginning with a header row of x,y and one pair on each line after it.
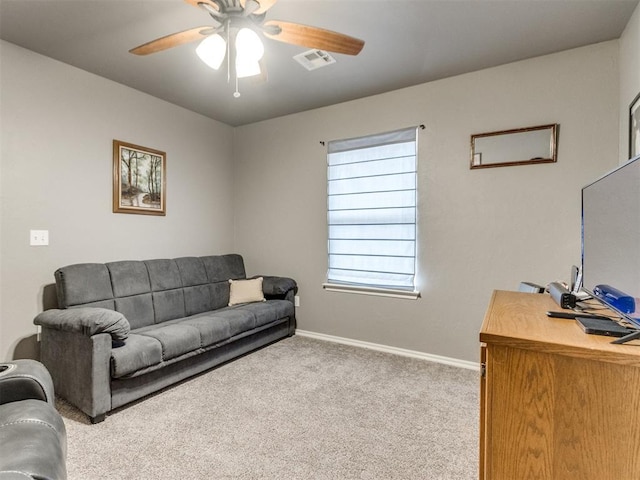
x,y
314,59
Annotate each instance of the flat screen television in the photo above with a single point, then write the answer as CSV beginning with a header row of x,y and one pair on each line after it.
x,y
611,240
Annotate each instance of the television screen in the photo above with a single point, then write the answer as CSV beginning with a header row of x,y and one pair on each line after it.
x,y
611,240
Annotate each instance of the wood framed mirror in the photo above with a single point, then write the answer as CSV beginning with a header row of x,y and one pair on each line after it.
x,y
521,146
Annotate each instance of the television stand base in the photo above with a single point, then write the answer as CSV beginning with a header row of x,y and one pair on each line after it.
x,y
627,338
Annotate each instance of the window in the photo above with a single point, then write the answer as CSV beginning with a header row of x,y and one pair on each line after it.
x,y
371,205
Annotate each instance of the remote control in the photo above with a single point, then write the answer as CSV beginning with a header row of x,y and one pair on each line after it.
x,y
571,315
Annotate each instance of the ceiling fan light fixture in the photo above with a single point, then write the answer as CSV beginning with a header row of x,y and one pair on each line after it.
x,y
212,51
247,68
249,52
249,45
240,21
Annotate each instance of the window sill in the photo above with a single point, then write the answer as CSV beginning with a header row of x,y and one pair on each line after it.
x,y
380,292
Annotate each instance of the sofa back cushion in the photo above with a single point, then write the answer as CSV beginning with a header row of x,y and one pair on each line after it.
x,y
166,288
151,291
195,284
132,292
220,269
85,284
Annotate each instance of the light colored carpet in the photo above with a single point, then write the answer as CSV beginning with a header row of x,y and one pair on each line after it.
x,y
298,409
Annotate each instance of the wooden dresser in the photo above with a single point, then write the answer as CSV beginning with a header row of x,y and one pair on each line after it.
x,y
556,403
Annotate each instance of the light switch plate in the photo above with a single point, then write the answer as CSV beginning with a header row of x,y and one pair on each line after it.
x,y
39,238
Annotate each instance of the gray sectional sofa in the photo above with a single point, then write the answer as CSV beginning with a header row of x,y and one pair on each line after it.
x,y
126,329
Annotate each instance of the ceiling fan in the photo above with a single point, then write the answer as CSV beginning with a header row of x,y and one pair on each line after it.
x,y
233,36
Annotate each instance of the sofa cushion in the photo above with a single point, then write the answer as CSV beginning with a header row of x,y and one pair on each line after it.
x,y
108,304
168,305
138,352
219,294
129,278
197,294
197,299
138,309
132,289
166,284
83,283
192,271
163,274
268,311
175,338
212,329
221,268
245,291
240,321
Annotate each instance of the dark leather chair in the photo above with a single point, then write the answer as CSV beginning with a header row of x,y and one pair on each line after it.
x,y
33,442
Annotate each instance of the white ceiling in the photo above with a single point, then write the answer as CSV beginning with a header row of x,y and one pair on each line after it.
x,y
407,43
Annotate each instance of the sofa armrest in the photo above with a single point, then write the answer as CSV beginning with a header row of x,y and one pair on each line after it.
x,y
25,380
278,286
87,321
80,367
284,288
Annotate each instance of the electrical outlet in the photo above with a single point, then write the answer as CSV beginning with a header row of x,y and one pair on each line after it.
x,y
296,301
39,238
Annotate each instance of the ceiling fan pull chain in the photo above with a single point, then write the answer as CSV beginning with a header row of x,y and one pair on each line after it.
x,y
228,28
232,62
236,94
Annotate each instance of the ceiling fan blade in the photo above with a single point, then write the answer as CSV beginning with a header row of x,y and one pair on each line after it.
x,y
173,40
210,3
312,37
264,5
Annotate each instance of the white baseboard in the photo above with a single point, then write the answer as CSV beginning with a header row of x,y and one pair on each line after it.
x,y
394,350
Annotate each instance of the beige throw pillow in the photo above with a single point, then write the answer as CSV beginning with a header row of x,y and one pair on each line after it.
x,y
245,291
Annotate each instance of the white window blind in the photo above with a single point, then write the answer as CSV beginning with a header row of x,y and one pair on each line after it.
x,y
372,210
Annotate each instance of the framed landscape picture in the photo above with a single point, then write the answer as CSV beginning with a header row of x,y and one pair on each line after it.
x,y
634,128
139,179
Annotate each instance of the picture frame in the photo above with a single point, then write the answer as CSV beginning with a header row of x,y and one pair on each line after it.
x,y
139,179
634,127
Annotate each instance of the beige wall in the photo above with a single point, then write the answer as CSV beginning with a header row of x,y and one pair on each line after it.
x,y
58,124
629,77
478,230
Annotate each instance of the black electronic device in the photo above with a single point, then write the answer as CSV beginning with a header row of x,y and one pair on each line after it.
x,y
574,315
562,295
610,238
592,315
599,326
